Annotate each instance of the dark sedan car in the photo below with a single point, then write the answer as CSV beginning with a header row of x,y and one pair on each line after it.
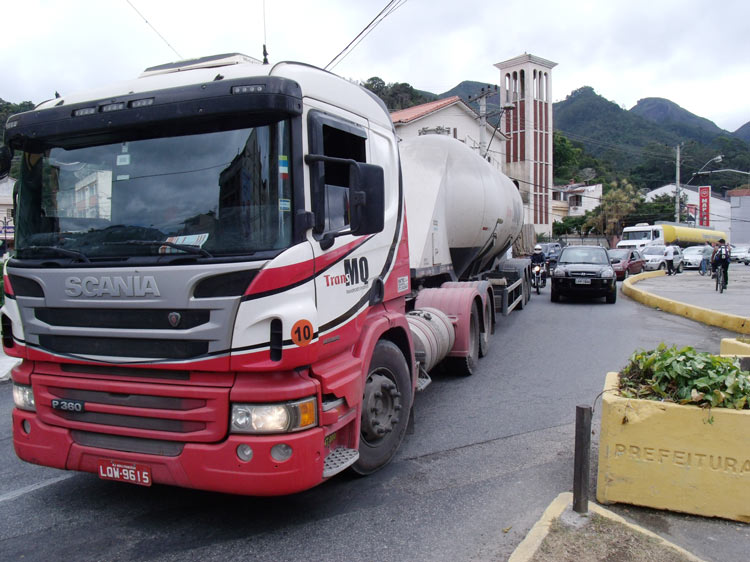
x,y
626,261
584,271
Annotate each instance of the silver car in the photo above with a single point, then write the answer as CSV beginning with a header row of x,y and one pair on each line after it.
x,y
692,256
656,258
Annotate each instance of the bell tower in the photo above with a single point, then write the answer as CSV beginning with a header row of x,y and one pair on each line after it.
x,y
525,81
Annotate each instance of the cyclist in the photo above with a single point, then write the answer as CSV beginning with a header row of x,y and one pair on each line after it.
x,y
721,257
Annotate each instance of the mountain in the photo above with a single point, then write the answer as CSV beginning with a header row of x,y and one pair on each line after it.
x,y
606,130
673,118
743,132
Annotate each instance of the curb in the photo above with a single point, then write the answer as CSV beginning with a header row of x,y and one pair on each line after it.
x,y
528,547
732,322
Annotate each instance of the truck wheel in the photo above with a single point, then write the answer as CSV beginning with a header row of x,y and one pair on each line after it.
x,y
484,337
553,295
612,297
385,408
465,366
662,266
680,268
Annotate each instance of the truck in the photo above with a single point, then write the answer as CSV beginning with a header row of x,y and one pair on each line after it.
x,y
644,234
233,277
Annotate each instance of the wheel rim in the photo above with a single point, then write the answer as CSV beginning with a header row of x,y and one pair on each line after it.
x,y
381,406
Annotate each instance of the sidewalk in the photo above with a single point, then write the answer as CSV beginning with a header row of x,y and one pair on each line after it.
x,y
6,364
693,296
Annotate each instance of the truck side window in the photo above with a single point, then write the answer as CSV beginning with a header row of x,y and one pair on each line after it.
x,y
330,181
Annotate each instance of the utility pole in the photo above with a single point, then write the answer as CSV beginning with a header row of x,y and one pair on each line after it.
x,y
677,188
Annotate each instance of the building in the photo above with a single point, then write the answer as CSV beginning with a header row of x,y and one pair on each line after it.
x,y
453,117
739,201
720,212
525,81
575,200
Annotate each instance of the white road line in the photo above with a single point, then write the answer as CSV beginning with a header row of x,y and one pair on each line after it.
x,y
26,489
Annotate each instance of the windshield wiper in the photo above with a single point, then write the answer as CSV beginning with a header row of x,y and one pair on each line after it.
x,y
61,251
184,247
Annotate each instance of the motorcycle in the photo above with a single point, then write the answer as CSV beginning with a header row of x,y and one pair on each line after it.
x,y
538,278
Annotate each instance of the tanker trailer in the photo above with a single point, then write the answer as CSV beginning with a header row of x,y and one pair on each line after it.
x,y
462,217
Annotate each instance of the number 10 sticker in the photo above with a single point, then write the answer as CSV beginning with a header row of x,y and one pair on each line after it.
x,y
302,333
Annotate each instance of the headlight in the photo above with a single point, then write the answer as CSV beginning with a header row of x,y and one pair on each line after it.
x,y
23,397
536,268
607,272
559,272
274,418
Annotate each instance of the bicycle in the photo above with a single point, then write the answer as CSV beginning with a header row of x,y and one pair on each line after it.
x,y
721,278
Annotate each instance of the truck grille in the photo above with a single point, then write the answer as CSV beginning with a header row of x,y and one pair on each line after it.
x,y
127,319
124,347
134,409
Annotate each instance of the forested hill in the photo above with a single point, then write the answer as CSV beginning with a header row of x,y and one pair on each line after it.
x,y
640,142
7,109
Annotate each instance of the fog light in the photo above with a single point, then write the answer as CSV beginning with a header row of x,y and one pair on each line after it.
x,y
281,452
26,426
245,452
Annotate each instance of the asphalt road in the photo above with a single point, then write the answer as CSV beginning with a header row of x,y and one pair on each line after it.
x,y
487,455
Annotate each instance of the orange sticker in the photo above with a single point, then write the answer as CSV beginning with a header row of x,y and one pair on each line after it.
x,y
302,333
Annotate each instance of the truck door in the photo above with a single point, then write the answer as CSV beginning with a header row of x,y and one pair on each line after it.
x,y
343,266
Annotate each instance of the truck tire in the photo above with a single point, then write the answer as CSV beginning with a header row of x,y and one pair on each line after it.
x,y
465,366
385,408
554,296
484,336
612,297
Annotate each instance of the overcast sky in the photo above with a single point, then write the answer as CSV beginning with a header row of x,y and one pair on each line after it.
x,y
693,52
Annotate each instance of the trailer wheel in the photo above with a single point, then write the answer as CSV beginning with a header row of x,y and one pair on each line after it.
x,y
484,336
465,366
385,408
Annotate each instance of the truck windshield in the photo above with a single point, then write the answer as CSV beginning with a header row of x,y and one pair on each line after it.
x,y
636,235
225,193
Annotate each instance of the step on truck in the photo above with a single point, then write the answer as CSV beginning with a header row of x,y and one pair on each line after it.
x,y
232,276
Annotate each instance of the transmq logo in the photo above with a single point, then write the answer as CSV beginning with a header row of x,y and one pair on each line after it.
x,y
356,275
128,286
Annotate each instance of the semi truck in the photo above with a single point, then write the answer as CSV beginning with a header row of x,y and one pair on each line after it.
x,y
233,277
644,234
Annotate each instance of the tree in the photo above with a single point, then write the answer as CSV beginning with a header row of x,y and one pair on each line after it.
x,y
617,203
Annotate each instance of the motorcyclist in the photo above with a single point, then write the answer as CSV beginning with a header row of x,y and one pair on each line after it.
x,y
537,257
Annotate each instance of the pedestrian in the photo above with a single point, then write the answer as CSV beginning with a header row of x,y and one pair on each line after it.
x,y
669,254
707,251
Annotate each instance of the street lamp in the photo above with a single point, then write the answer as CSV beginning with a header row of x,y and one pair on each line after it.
x,y
717,158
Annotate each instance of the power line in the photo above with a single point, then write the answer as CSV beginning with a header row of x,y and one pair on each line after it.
x,y
155,30
389,8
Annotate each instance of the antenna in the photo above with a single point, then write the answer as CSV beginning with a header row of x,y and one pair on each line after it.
x,y
265,53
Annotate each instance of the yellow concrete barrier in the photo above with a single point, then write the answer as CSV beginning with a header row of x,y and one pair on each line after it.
x,y
739,324
675,457
733,346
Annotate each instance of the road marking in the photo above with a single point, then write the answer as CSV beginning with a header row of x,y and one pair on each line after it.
x,y
26,489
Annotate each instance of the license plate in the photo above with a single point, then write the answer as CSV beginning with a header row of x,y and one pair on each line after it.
x,y
139,474
583,281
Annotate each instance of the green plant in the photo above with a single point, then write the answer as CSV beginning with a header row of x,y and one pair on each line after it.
x,y
686,376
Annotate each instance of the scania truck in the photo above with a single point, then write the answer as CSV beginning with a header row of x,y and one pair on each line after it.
x,y
232,276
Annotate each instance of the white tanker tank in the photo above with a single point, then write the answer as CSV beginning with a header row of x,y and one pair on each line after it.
x,y
460,210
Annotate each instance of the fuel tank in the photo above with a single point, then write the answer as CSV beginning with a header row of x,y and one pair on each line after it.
x,y
461,211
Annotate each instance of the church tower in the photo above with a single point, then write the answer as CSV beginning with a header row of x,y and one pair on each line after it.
x,y
525,82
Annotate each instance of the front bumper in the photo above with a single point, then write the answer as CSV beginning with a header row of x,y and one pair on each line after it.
x,y
205,466
653,266
598,287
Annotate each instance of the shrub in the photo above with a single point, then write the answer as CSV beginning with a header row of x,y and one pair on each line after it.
x,y
686,376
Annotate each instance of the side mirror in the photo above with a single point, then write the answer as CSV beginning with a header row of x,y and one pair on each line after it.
x,y
6,156
363,201
367,198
